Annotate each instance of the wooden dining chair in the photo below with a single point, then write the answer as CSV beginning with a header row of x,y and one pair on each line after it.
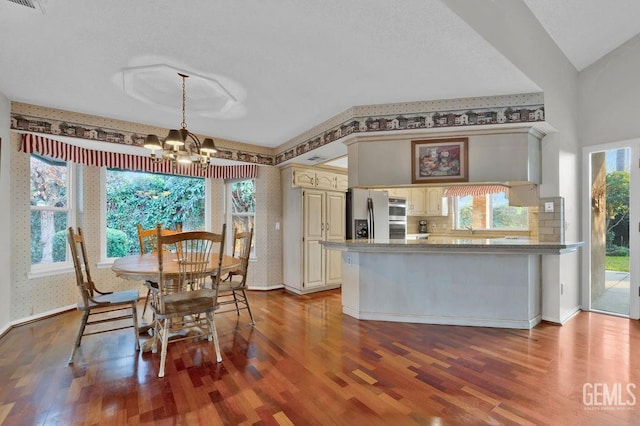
x,y
232,290
97,303
148,244
183,299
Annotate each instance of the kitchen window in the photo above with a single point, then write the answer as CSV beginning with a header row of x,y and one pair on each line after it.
x,y
51,205
489,211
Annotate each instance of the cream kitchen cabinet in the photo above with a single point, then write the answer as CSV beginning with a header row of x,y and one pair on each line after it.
x,y
398,192
417,202
436,204
318,179
323,219
309,217
422,201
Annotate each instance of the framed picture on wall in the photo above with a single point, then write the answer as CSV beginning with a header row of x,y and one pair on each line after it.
x,y
440,160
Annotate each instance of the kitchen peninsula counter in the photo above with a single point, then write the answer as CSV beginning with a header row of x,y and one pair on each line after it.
x,y
455,244
492,282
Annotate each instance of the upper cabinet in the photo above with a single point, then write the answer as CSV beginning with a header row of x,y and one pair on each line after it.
x,y
398,192
422,201
417,202
319,179
436,203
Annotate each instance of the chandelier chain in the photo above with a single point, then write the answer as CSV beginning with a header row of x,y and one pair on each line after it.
x,y
184,101
182,146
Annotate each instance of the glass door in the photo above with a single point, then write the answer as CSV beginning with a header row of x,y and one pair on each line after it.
x,y
610,243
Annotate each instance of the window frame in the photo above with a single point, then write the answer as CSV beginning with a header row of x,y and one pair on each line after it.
x,y
108,261
39,269
488,213
229,215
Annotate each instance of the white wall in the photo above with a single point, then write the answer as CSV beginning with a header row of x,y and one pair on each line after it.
x,y
514,31
608,107
610,96
497,155
5,212
266,271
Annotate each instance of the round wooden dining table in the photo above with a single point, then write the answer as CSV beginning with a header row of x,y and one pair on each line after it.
x,y
145,266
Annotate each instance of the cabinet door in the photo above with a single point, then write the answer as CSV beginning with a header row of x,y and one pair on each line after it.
x,y
325,180
335,224
313,220
314,264
399,193
313,215
304,178
435,205
417,202
335,216
342,182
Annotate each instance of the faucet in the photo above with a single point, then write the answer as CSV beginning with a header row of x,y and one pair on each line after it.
x,y
469,228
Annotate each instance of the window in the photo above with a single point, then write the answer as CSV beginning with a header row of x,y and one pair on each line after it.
x,y
490,211
51,212
242,208
134,198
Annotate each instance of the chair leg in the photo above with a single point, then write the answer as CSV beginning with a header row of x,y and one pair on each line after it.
x,y
146,302
246,302
165,343
235,300
216,344
156,333
134,312
83,324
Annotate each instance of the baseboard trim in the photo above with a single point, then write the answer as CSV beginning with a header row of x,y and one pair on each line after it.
x,y
443,320
273,287
33,318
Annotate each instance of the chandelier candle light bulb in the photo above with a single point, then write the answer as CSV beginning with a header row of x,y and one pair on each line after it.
x,y
175,147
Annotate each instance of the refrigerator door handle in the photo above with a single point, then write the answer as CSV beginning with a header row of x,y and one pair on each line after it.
x,y
371,217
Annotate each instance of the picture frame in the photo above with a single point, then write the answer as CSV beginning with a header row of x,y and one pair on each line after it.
x,y
440,160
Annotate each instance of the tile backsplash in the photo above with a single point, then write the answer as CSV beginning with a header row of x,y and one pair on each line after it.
x,y
551,224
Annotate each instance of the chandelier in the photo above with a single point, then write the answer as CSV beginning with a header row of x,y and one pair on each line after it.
x,y
181,146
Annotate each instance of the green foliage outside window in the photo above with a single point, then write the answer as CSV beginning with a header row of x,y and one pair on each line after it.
x,y
617,213
49,208
503,216
147,199
243,207
243,197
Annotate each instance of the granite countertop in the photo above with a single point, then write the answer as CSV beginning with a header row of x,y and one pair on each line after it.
x,y
456,244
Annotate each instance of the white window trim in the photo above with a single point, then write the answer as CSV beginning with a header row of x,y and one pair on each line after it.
x,y
39,270
229,215
488,215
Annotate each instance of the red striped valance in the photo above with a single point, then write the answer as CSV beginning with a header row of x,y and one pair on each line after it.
x,y
474,190
90,157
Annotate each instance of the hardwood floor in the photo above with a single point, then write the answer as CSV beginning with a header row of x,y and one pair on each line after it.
x,y
304,362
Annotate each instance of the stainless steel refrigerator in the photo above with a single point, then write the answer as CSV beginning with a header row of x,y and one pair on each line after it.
x,y
367,214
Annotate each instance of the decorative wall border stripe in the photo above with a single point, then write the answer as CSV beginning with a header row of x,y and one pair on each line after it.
x,y
90,157
409,116
415,121
28,123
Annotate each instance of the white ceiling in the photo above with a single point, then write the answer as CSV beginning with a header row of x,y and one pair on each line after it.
x,y
289,64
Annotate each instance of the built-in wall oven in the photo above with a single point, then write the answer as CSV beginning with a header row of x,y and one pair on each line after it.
x,y
397,218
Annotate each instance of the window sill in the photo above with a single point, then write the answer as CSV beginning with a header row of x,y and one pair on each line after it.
x,y
47,271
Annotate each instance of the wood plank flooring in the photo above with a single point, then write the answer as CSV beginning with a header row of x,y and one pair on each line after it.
x,y
305,363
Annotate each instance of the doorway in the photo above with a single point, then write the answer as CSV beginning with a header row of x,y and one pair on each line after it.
x,y
611,239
